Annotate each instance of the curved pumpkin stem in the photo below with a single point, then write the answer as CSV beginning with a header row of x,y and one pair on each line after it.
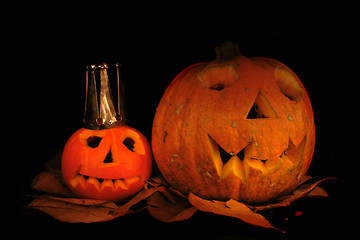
x,y
227,51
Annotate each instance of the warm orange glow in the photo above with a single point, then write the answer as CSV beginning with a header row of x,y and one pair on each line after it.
x,y
110,164
240,128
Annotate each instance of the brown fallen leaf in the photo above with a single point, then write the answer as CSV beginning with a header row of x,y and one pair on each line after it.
x,y
301,191
164,203
157,181
52,183
169,207
230,208
145,193
317,192
75,210
51,180
84,202
67,210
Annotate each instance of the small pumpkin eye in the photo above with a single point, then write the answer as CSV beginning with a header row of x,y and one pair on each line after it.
x,y
93,141
129,143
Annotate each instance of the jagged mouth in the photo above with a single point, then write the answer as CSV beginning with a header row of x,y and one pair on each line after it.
x,y
84,181
240,163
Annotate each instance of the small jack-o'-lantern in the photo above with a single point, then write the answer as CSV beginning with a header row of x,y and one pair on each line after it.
x,y
105,160
234,128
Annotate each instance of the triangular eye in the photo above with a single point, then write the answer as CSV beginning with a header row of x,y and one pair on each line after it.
x,y
261,108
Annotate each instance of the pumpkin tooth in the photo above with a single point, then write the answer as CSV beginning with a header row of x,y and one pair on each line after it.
x,y
120,184
216,155
255,163
236,166
94,182
107,183
78,179
129,181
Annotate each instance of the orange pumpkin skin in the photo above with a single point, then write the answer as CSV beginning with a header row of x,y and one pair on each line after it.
x,y
97,164
240,128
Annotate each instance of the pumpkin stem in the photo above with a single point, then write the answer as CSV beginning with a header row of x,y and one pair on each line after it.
x,y
227,51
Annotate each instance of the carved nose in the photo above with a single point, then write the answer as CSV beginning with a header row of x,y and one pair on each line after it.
x,y
109,158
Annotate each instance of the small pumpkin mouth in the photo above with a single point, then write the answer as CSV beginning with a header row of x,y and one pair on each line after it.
x,y
100,184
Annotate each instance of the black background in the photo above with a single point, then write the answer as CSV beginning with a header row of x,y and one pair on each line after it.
x,y
152,54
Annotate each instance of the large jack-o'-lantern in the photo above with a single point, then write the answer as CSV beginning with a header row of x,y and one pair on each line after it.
x,y
236,127
106,159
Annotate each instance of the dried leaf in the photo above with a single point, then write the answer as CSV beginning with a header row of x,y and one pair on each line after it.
x,y
52,183
51,180
318,192
71,210
301,191
169,207
157,181
68,208
230,208
86,202
145,193
87,210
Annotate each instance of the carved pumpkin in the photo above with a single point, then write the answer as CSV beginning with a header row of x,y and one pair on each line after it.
x,y
106,159
236,127
110,164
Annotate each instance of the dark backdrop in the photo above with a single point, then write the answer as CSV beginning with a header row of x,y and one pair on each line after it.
x,y
55,57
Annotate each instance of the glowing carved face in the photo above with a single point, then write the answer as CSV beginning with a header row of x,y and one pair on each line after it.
x,y
240,129
111,164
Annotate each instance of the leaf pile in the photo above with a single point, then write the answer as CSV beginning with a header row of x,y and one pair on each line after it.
x,y
162,201
60,203
169,205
